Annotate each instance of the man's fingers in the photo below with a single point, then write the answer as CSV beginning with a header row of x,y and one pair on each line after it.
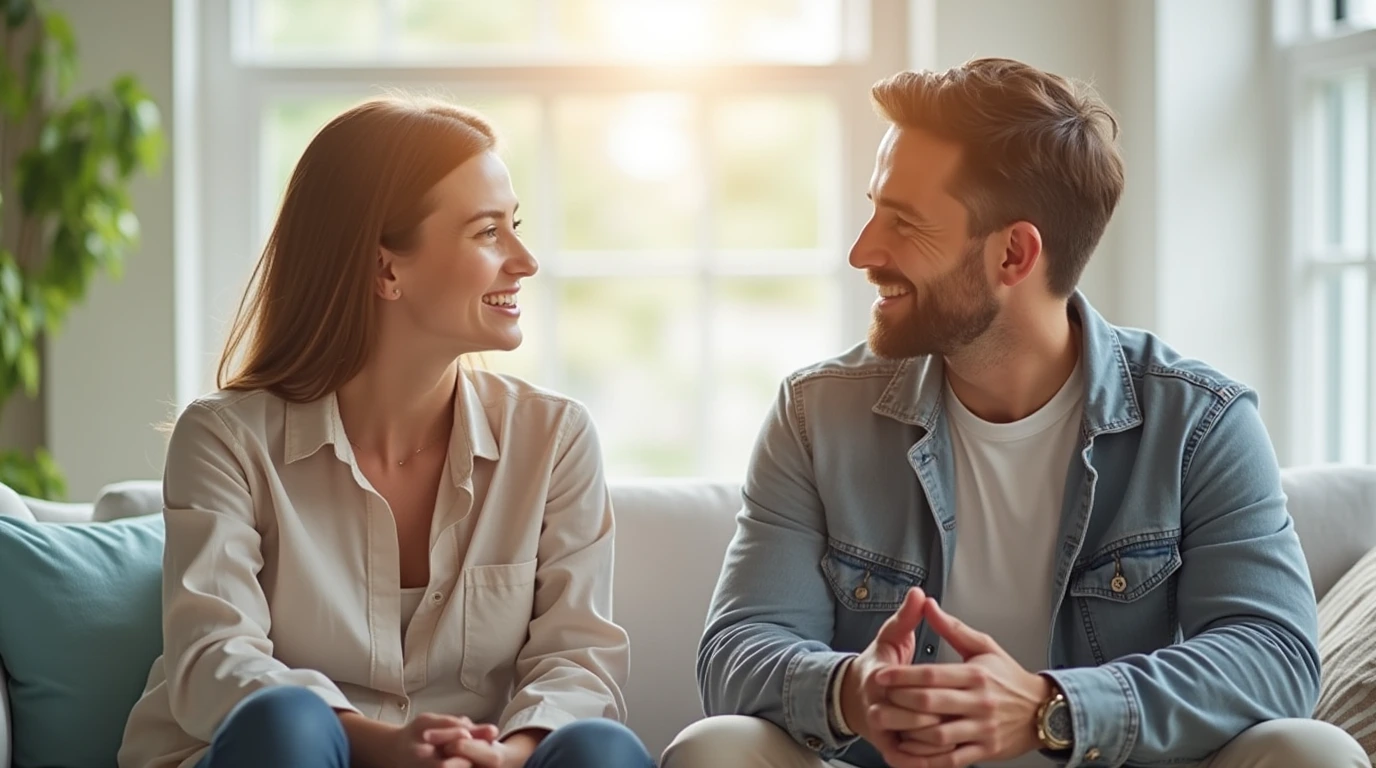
x,y
947,735
962,638
936,701
903,623
930,676
889,717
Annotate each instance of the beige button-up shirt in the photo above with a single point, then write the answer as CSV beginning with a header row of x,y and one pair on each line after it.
x,y
282,568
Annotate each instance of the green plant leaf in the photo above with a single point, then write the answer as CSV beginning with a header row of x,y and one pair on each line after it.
x,y
60,35
27,365
36,476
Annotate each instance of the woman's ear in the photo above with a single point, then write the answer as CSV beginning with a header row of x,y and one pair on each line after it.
x,y
386,279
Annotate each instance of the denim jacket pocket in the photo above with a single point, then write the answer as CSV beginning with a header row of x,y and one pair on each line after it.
x,y
1127,573
862,581
1126,600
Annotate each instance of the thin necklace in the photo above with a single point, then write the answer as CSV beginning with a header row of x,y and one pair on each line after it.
x,y
402,463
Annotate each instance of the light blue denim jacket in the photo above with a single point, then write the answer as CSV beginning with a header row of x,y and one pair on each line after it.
x,y
1175,487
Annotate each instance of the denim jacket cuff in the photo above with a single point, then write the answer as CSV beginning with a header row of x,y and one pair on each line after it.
x,y
807,702
1104,712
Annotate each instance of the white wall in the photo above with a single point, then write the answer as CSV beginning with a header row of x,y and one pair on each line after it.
x,y
111,373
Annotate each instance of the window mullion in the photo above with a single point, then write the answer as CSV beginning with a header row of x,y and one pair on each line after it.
x,y
704,107
547,238
1370,214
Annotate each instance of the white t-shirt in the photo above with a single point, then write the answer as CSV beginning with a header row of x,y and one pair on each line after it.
x,y
1010,484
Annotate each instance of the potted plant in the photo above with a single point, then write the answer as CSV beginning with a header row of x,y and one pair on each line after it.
x,y
65,165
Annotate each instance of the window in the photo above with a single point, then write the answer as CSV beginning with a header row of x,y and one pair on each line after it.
x,y
1333,66
691,172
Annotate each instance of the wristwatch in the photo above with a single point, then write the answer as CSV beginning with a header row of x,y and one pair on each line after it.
x,y
1054,728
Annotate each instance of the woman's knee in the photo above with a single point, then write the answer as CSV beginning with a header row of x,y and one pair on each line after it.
x,y
285,722
593,742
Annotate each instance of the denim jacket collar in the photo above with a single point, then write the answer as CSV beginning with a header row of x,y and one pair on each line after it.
x,y
914,394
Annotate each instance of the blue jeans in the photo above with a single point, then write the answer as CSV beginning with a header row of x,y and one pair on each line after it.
x,y
286,726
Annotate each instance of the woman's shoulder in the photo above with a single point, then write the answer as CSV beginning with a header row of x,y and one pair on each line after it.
x,y
503,390
233,410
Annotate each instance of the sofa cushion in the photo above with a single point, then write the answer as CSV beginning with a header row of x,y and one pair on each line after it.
x,y
80,626
1347,651
12,504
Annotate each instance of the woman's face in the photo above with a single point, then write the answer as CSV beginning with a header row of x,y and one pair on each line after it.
x,y
458,286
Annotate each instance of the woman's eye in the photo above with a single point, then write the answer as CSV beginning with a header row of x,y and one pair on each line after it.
x,y
490,232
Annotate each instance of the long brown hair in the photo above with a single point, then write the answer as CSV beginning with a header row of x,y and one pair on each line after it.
x,y
1038,148
307,322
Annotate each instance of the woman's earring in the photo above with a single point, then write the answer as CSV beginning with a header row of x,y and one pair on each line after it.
x,y
396,292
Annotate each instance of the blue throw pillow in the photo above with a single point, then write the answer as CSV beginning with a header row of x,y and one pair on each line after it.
x,y
80,626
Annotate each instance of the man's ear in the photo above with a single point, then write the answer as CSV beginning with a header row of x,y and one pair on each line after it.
x,y
1022,251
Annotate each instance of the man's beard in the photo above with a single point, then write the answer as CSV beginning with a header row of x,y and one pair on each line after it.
x,y
946,314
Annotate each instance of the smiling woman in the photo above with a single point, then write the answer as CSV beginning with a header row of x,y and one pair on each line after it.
x,y
348,474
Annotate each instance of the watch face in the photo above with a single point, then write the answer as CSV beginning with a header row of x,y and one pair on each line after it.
x,y
1058,721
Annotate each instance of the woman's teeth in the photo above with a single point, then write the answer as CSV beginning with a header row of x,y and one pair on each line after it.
x,y
500,299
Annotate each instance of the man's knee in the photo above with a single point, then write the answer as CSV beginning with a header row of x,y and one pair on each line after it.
x,y
735,740
1294,743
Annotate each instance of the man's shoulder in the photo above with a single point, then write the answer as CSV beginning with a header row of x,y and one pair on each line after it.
x,y
1156,367
857,362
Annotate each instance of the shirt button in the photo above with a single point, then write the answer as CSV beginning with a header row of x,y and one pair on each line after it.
x,y
1092,753
402,704
1118,584
437,597
813,743
929,649
862,592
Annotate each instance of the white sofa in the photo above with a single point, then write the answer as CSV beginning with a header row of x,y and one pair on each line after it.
x,y
670,542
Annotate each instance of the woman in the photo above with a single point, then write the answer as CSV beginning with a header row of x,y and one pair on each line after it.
x,y
374,558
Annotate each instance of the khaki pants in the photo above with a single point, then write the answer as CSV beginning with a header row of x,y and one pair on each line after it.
x,y
747,742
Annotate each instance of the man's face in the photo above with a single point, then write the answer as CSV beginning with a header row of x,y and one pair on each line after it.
x,y
935,294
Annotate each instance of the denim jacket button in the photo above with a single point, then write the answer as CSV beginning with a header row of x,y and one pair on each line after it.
x,y
1119,585
862,592
1092,753
813,743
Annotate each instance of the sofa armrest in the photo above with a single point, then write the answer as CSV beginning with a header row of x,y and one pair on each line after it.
x,y
4,719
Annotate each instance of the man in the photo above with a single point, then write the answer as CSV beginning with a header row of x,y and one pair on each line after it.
x,y
1107,514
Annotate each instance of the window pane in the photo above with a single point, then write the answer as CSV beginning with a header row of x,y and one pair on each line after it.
x,y
329,28
795,31
466,25
772,159
762,330
1340,377
631,350
628,177
1340,224
289,124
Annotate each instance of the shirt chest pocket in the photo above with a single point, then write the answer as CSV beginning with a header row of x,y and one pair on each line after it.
x,y
497,604
1126,599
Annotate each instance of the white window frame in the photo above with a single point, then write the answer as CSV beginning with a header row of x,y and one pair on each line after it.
x,y
222,101
1312,53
